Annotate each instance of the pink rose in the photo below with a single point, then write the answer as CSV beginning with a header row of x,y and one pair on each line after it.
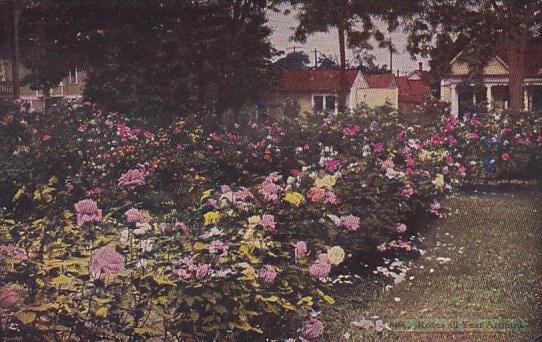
x,y
8,298
312,328
400,228
316,194
134,216
87,212
321,267
350,222
300,249
268,222
332,165
202,271
268,274
106,262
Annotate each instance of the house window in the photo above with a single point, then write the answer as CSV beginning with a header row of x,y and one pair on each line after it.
x,y
72,76
324,103
330,103
318,103
2,73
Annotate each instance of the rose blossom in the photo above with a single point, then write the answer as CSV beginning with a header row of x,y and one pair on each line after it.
x,y
331,198
400,228
13,252
332,165
8,298
218,246
300,249
352,130
106,262
87,211
350,222
312,328
268,274
316,194
134,216
321,267
202,271
131,179
268,222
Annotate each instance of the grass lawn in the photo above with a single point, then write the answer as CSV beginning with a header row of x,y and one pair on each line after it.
x,y
493,239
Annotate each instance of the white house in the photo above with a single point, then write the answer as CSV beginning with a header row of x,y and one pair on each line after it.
x,y
463,96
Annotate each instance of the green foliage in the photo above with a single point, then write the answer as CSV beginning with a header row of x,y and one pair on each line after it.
x,y
219,211
179,57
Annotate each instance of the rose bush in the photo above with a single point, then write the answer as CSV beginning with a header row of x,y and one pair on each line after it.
x,y
116,229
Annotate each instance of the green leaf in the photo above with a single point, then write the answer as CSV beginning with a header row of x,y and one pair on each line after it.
x,y
101,312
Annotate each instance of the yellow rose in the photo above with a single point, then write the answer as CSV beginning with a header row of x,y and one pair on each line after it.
x,y
326,182
439,182
336,255
211,217
254,220
294,198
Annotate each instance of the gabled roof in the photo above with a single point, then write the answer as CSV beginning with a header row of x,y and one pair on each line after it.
x,y
380,80
533,59
314,80
413,91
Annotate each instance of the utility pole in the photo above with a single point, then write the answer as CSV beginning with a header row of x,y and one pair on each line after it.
x,y
315,59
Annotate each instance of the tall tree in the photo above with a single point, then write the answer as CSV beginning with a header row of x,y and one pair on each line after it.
x,y
293,61
10,37
154,56
487,28
354,21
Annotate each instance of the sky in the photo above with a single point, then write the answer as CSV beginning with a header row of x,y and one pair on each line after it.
x,y
327,43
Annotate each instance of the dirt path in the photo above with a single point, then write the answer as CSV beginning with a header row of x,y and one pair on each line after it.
x,y
484,261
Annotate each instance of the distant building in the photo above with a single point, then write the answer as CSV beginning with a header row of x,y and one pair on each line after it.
x,y
71,86
414,89
463,96
316,90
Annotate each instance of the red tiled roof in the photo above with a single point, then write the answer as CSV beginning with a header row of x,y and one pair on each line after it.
x,y
380,80
413,91
314,80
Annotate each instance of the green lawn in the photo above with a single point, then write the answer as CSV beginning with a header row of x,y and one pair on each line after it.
x,y
493,239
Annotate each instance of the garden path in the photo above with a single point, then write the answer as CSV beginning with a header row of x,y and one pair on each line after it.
x,y
483,261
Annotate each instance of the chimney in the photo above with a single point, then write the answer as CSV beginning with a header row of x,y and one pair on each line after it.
x,y
397,72
420,66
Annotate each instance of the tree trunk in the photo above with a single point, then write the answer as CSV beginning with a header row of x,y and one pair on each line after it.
x,y
14,50
516,48
343,86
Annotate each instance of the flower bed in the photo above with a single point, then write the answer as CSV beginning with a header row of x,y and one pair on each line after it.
x,y
189,231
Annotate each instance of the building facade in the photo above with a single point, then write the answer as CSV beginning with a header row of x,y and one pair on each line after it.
x,y
463,95
70,88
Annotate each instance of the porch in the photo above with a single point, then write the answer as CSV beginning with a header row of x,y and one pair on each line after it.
x,y
493,96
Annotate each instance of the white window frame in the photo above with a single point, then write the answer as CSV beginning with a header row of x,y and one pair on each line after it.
x,y
324,102
72,78
2,72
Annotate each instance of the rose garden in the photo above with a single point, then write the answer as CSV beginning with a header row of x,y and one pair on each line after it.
x,y
120,229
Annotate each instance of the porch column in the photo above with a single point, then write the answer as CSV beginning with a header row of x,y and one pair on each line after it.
x,y
489,97
454,100
525,99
